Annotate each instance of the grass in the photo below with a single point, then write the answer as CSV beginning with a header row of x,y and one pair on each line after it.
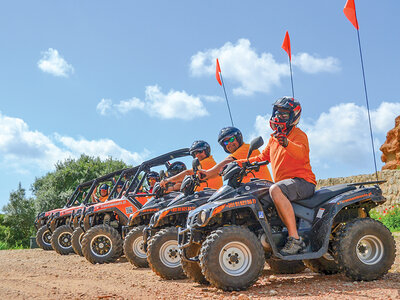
x,y
390,217
5,246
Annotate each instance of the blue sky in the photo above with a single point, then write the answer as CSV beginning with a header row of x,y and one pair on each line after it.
x,y
136,79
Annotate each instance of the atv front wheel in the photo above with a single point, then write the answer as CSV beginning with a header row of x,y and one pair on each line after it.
x,y
61,240
192,269
163,255
133,247
43,238
102,244
365,249
232,258
326,264
280,266
77,237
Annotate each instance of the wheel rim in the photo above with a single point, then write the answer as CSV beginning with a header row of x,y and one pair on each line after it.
x,y
138,247
369,249
235,258
101,245
169,255
80,239
46,237
64,240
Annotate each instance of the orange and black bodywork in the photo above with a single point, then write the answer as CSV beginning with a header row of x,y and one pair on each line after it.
x,y
315,217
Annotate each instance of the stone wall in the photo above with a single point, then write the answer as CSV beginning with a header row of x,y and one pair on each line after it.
x,y
390,189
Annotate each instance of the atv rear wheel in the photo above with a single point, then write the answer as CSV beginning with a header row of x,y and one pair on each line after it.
x,y
77,237
364,249
163,255
232,258
193,269
280,266
61,240
43,238
325,265
102,244
133,247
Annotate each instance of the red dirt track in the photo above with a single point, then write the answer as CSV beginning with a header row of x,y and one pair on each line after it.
x,y
38,274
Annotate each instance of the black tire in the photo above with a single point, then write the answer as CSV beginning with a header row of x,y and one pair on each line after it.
x,y
323,265
102,244
43,238
364,249
61,240
279,266
133,248
77,237
163,255
192,269
223,249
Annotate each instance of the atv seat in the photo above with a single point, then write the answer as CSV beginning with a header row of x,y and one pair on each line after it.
x,y
324,194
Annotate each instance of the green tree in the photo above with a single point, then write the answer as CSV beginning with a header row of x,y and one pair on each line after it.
x,y
17,225
53,189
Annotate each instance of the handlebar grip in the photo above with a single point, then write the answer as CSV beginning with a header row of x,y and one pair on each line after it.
x,y
263,163
201,176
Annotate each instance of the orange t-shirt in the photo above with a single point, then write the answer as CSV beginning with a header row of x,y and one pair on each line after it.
x,y
241,154
290,162
102,199
213,183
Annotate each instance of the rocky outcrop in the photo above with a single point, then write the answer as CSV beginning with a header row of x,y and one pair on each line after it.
x,y
391,148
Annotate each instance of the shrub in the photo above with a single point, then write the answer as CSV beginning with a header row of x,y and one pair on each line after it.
x,y
390,217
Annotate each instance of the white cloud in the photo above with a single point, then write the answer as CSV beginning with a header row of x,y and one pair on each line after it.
x,y
339,139
310,64
22,148
173,105
104,106
250,71
212,98
52,62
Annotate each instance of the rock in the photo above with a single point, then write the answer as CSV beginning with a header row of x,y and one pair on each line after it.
x,y
272,278
243,297
391,148
273,292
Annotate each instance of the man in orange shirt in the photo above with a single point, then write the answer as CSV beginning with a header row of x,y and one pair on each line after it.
x,y
103,191
231,140
202,151
288,152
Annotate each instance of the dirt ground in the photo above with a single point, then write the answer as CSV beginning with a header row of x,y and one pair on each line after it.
x,y
38,274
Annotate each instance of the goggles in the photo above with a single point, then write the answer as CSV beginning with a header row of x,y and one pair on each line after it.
x,y
230,140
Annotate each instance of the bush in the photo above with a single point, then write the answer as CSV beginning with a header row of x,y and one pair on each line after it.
x,y
390,217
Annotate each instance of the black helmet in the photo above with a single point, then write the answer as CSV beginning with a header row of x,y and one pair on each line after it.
x,y
175,168
200,146
285,121
104,186
228,132
120,184
154,175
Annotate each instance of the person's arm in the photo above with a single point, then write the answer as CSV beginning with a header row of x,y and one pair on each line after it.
x,y
263,156
214,171
296,147
178,177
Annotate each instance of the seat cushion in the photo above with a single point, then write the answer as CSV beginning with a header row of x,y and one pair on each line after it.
x,y
324,194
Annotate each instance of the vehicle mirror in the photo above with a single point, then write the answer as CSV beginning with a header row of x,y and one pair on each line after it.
x,y
162,174
255,144
195,164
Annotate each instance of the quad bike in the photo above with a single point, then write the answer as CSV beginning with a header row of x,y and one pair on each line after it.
x,y
77,215
59,223
160,236
105,224
235,235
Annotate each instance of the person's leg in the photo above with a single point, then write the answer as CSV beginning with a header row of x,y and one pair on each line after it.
x,y
285,210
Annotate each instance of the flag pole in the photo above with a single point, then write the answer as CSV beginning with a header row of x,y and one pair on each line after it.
x,y
226,98
366,99
291,76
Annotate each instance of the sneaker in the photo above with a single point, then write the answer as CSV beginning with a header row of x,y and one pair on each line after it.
x,y
293,246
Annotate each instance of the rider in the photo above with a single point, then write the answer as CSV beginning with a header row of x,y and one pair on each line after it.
x,y
202,151
231,140
103,191
172,170
152,178
288,152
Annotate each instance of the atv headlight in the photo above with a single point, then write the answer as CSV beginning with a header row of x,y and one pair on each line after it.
x,y
202,217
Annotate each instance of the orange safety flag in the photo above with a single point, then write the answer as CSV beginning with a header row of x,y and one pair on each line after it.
x,y
350,12
217,71
286,45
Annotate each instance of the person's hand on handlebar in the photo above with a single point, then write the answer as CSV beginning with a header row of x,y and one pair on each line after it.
x,y
163,183
203,174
